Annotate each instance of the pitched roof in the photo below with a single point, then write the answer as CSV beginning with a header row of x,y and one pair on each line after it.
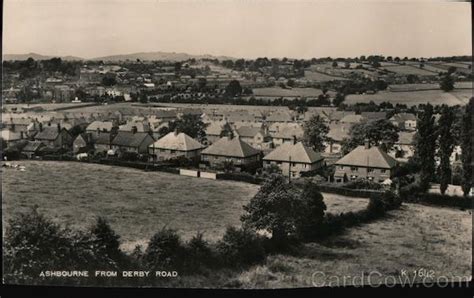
x,y
288,132
298,153
248,131
280,116
402,117
372,157
101,125
180,141
338,132
129,139
103,138
234,147
140,126
374,115
352,119
215,128
33,146
49,133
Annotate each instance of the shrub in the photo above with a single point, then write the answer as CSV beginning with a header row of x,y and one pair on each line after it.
x,y
240,247
165,251
106,244
199,254
311,211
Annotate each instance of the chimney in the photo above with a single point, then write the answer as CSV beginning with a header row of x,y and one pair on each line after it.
x,y
134,129
367,144
294,140
59,128
41,126
175,132
21,135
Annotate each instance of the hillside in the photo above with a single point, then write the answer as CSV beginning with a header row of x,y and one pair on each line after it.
x,y
170,56
37,57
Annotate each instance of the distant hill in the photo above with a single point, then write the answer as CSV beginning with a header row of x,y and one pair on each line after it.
x,y
144,56
36,57
170,56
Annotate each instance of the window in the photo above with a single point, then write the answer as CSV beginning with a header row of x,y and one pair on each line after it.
x,y
341,167
354,169
370,170
383,171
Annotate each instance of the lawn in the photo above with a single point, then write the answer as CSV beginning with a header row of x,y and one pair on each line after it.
x,y
435,97
136,203
415,237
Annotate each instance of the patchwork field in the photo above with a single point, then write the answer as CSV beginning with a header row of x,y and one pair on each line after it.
x,y
136,203
435,97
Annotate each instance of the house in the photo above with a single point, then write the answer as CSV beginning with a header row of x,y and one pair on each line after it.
x,y
280,116
10,137
352,119
33,148
139,126
103,142
54,137
336,116
96,127
287,134
335,137
174,145
255,137
82,143
373,116
213,131
365,162
294,159
231,150
404,148
404,121
132,141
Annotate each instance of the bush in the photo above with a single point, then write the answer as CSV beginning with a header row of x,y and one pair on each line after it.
x,y
106,244
165,251
199,254
240,247
312,210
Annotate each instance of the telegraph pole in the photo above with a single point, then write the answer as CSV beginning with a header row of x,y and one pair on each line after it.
x,y
289,170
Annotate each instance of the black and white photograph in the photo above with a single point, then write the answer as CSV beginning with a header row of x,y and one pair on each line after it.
x,y
237,144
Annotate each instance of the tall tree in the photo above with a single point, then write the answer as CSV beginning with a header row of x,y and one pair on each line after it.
x,y
233,88
467,135
190,125
447,83
446,143
379,133
315,132
425,146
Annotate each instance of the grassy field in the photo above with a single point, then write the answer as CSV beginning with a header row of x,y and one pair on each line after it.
x,y
408,69
320,77
435,97
136,203
412,238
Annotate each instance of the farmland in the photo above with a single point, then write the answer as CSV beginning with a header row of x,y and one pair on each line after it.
x,y
435,97
76,194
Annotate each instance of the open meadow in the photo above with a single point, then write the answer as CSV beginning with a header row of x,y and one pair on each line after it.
x,y
136,203
415,237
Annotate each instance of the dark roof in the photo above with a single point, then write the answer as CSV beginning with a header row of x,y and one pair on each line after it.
x,y
129,139
103,138
33,146
234,147
49,133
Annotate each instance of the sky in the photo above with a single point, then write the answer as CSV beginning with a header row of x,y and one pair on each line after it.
x,y
239,28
